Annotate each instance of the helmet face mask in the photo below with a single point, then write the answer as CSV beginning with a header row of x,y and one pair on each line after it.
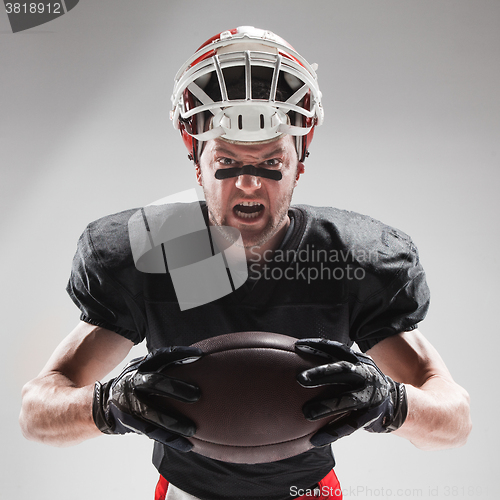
x,y
246,85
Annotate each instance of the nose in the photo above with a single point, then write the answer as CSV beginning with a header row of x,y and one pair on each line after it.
x,y
247,182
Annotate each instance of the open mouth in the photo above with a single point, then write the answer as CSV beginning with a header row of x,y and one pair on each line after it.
x,y
248,209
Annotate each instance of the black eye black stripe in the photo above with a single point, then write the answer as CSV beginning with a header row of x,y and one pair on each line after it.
x,y
226,173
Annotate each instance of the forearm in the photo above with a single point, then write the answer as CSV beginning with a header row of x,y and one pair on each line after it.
x,y
56,412
438,415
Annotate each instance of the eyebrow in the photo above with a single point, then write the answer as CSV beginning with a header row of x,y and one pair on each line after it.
x,y
221,150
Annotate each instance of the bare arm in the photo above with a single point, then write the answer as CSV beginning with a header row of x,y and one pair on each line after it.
x,y
438,408
57,404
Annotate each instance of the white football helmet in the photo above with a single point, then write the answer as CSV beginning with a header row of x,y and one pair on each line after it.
x,y
246,85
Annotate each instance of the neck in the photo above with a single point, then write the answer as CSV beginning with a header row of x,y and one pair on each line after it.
x,y
260,254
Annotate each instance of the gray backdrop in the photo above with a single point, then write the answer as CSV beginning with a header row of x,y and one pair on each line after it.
x,y
411,137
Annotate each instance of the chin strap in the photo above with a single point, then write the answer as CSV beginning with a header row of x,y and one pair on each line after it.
x,y
226,173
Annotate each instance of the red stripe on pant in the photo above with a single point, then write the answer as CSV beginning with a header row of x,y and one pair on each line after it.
x,y
328,488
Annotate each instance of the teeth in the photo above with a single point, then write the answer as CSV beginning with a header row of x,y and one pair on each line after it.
x,y
251,215
247,216
249,203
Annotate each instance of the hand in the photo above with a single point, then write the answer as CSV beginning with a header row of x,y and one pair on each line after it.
x,y
362,396
122,404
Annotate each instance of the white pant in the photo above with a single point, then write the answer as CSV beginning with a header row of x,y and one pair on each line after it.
x,y
174,493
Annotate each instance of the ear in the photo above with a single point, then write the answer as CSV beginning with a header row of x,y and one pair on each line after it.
x,y
199,179
300,170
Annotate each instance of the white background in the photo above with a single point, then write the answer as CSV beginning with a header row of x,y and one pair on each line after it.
x,y
411,137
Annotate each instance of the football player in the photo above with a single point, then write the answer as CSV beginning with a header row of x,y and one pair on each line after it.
x,y
247,105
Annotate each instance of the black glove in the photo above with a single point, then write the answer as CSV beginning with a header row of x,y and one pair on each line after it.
x,y
362,396
122,404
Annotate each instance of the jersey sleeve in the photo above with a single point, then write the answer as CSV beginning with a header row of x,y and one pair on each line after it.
x,y
104,282
393,297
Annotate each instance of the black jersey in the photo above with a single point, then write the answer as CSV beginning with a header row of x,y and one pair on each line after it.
x,y
338,275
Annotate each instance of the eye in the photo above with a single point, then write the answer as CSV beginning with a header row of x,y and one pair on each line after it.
x,y
274,162
227,162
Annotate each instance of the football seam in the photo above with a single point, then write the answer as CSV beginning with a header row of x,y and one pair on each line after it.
x,y
266,348
194,438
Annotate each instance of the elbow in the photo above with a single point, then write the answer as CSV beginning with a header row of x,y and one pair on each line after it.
x,y
26,420
443,424
26,428
460,424
34,420
56,417
466,427
465,434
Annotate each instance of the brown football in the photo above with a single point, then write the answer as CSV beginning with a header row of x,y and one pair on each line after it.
x,y
250,409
